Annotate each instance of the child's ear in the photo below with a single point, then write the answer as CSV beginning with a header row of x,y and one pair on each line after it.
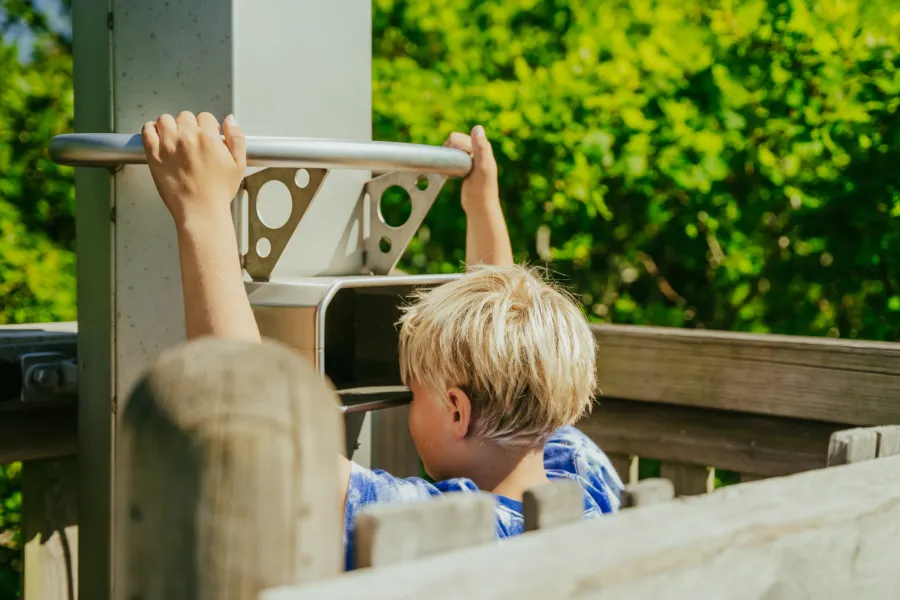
x,y
461,412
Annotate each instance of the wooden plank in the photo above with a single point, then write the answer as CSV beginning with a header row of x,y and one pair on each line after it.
x,y
749,478
851,446
228,459
888,440
393,533
557,503
688,480
828,534
841,381
647,492
392,446
50,529
735,441
47,432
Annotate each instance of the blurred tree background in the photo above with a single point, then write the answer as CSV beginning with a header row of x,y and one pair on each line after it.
x,y
727,164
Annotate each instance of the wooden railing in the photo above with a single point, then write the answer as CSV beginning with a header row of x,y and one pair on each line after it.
x,y
229,444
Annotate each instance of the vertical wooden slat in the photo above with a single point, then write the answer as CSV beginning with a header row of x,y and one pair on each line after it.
x,y
228,454
626,466
688,480
888,440
555,503
49,528
852,446
392,446
647,492
393,533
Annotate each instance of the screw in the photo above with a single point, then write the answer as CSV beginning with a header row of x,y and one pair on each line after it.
x,y
45,377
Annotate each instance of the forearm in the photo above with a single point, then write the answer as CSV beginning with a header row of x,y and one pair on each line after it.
x,y
487,238
215,301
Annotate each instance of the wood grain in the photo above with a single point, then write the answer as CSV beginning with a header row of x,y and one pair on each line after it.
x,y
50,529
829,534
841,381
228,481
741,442
550,505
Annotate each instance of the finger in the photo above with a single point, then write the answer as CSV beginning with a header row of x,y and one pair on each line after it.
x,y
151,140
483,154
167,130
186,120
460,141
208,124
236,142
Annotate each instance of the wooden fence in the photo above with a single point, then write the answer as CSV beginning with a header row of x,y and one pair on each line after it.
x,y
231,495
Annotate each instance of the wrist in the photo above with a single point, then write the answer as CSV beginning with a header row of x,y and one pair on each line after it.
x,y
201,221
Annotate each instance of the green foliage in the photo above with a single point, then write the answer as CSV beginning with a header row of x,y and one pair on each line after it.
x,y
37,199
726,165
10,540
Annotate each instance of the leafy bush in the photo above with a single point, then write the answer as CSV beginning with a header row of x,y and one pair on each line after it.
x,y
726,165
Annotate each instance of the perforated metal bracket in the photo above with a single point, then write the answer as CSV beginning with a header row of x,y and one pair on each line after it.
x,y
266,244
385,244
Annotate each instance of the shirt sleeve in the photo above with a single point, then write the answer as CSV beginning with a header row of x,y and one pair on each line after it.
x,y
570,453
370,487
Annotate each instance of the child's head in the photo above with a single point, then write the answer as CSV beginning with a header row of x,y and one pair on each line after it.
x,y
498,356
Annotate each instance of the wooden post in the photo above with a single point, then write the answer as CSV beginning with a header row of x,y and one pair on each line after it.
x,y
394,533
647,492
49,528
689,480
229,454
556,503
852,446
625,465
888,440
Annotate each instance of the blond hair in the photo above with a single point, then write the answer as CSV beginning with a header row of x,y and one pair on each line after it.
x,y
519,347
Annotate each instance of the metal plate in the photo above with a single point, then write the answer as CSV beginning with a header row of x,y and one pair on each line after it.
x,y
260,267
385,244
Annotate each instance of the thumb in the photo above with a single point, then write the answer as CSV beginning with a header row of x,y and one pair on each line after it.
x,y
235,140
482,153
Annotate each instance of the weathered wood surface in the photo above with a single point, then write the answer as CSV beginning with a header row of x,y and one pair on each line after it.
x,y
392,445
740,442
830,534
625,465
553,504
228,454
688,480
50,529
647,492
393,533
852,445
841,381
888,440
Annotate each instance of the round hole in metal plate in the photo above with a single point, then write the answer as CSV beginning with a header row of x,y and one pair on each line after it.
x,y
422,183
274,204
395,206
263,247
302,178
384,244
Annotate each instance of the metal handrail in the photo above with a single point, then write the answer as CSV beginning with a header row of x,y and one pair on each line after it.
x,y
111,149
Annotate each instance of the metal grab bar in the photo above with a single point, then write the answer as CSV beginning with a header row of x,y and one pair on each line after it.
x,y
111,149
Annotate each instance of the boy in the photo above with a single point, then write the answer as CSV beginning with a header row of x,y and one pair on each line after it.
x,y
500,363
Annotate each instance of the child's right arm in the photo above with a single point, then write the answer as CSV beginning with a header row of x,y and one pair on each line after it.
x,y
487,239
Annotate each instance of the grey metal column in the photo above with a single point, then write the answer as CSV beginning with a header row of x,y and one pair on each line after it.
x,y
284,67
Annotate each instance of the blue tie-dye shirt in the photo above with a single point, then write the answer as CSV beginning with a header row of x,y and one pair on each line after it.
x,y
568,453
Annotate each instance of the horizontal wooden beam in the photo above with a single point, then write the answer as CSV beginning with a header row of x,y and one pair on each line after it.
x,y
829,534
49,432
841,381
740,442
